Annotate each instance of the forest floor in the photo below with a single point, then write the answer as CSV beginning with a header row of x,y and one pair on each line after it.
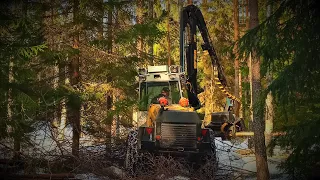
x,y
236,160
241,160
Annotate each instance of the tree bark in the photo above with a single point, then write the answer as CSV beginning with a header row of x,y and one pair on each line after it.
x,y
74,74
269,116
110,33
235,51
150,15
247,15
249,94
101,16
52,45
251,91
109,78
139,12
62,109
12,128
168,34
9,96
258,123
240,96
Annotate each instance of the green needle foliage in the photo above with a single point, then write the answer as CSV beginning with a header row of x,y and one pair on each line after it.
x,y
288,42
21,42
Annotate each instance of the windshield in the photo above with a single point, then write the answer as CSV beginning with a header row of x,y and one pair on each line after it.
x,y
150,91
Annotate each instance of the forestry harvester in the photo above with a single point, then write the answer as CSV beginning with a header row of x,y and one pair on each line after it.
x,y
168,122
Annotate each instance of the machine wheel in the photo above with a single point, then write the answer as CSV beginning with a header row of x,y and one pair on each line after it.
x,y
132,153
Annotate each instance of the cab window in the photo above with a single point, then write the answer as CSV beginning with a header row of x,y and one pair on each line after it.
x,y
150,90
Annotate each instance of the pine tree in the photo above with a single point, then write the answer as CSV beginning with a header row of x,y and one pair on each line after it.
x,y
258,123
235,51
269,109
288,41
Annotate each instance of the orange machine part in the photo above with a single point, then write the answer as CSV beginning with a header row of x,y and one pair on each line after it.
x,y
184,102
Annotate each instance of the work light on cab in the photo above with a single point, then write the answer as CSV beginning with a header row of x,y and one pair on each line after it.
x,y
174,69
142,71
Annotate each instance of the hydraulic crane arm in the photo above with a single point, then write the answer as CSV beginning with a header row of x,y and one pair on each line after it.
x,y
191,18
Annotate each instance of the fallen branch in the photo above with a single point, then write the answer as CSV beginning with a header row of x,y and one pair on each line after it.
x,y
252,134
39,176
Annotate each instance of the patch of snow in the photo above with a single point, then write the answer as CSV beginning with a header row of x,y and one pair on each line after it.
x,y
90,176
162,176
115,172
179,178
228,157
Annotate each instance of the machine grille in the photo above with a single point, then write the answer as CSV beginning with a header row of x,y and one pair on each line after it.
x,y
178,135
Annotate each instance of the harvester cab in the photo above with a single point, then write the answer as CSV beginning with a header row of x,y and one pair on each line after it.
x,y
156,82
159,79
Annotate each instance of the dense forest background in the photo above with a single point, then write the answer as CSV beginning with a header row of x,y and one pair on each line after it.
x,y
72,64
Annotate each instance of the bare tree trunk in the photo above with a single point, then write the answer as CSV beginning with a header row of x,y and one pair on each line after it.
x,y
235,51
248,95
63,119
74,74
56,117
251,91
258,122
63,80
168,35
109,78
100,26
240,96
9,95
269,116
150,15
11,128
109,28
247,15
139,12
62,109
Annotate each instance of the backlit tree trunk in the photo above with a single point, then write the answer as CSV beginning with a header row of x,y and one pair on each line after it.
x,y
13,127
235,51
74,74
9,95
249,63
109,78
150,15
258,122
168,35
52,41
269,116
247,15
62,109
101,17
139,12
